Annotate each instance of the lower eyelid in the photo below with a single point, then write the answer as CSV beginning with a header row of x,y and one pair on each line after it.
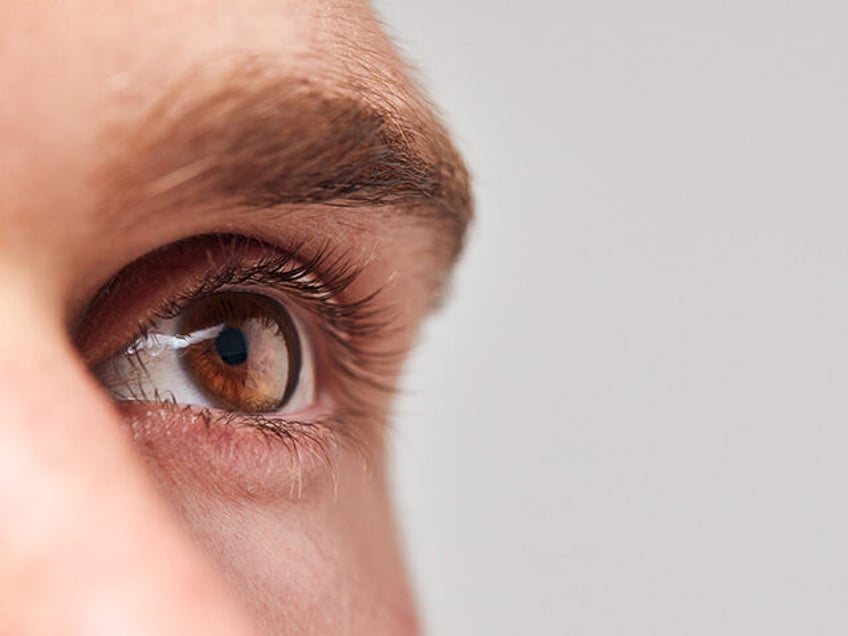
x,y
233,458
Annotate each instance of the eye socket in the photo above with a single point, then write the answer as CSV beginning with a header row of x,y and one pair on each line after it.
x,y
233,350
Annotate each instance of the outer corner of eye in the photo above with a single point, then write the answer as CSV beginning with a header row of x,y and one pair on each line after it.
x,y
235,350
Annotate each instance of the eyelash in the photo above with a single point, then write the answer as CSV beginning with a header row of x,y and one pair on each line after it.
x,y
320,286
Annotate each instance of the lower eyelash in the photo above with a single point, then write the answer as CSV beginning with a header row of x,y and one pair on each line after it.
x,y
235,457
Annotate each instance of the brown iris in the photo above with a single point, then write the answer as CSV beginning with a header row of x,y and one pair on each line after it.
x,y
248,355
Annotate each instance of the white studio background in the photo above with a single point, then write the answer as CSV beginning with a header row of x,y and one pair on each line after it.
x,y
631,418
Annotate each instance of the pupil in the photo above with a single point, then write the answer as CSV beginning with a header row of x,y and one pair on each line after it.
x,y
231,345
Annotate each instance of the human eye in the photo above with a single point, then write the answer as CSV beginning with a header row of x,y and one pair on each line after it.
x,y
235,345
234,349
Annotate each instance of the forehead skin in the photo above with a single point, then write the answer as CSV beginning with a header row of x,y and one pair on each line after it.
x,y
81,70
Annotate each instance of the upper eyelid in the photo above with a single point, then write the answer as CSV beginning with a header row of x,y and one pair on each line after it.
x,y
318,281
312,289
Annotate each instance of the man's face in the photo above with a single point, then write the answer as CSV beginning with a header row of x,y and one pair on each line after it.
x,y
220,227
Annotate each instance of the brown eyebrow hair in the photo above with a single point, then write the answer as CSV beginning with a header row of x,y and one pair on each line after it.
x,y
253,138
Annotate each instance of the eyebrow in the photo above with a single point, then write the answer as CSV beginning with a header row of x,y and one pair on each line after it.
x,y
253,138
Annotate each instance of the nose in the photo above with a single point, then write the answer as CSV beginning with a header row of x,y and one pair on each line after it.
x,y
86,546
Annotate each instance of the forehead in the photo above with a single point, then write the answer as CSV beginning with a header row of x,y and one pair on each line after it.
x,y
68,63
77,70
97,39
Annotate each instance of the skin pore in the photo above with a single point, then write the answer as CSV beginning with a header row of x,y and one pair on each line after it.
x,y
155,154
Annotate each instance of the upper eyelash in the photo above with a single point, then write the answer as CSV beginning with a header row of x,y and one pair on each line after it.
x,y
319,285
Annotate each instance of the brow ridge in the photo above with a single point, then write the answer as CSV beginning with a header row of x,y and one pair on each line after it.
x,y
255,138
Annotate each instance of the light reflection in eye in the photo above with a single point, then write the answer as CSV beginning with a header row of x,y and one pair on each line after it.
x,y
234,350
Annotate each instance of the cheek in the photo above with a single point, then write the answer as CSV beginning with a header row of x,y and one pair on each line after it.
x,y
326,563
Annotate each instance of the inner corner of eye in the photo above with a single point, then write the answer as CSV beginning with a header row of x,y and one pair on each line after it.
x,y
237,351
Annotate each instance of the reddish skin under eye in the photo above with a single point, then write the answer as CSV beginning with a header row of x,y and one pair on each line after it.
x,y
229,458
